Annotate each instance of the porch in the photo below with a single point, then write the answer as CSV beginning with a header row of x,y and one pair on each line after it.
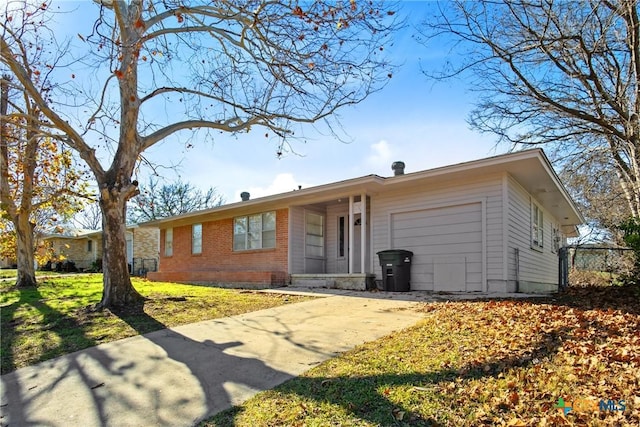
x,y
329,242
355,281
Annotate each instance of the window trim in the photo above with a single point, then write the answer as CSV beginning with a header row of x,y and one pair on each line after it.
x,y
89,245
168,242
245,244
321,236
537,227
342,236
196,239
556,238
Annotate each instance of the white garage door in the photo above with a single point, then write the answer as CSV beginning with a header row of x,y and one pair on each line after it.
x,y
446,244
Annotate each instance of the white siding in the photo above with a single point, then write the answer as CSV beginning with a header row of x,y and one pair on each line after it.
x,y
536,266
487,191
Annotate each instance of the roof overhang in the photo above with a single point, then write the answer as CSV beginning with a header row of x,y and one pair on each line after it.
x,y
530,168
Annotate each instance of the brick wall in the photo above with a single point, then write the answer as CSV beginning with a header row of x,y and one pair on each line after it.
x,y
218,262
145,242
76,250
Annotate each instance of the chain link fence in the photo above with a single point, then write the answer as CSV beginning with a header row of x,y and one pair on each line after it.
x,y
598,265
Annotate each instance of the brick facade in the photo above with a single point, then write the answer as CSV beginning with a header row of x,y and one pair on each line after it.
x,y
76,250
219,263
145,242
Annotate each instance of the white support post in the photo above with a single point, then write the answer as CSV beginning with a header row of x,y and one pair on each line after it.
x,y
351,232
363,231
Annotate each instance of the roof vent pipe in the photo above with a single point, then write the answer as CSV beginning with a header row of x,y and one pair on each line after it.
x,y
245,196
398,168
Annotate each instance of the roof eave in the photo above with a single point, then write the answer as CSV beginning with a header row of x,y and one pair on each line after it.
x,y
282,199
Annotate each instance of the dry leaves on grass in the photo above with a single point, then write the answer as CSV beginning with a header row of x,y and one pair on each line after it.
x,y
517,358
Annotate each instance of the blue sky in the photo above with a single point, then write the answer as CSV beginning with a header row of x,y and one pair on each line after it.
x,y
412,119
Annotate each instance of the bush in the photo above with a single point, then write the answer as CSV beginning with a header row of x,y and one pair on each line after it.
x,y
96,266
66,266
631,237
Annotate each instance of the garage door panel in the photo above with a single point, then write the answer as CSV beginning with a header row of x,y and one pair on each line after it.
x,y
436,231
447,246
444,250
450,243
445,211
443,220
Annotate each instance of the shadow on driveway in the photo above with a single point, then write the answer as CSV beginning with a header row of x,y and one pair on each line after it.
x,y
162,378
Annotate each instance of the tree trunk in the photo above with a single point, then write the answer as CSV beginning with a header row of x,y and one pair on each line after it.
x,y
25,251
118,290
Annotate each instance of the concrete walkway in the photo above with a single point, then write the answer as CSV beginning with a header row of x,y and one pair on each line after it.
x,y
179,376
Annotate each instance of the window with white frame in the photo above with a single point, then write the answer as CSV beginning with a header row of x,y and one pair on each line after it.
x,y
168,242
254,231
314,242
537,226
196,239
556,239
342,231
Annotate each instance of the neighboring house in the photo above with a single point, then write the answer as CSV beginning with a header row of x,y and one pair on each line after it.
x,y
7,263
84,248
491,225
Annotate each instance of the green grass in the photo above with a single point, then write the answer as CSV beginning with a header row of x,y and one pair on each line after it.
x,y
10,273
474,363
57,317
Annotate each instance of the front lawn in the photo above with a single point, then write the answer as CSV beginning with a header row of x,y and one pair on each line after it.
x,y
57,317
570,360
12,273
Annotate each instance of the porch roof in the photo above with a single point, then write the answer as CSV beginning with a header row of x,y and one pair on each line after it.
x,y
81,233
75,233
530,168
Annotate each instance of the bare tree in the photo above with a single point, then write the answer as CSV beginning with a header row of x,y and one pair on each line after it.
x,y
595,188
227,66
561,73
160,201
90,217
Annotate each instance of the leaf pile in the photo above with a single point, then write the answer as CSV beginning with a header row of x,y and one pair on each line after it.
x,y
518,358
492,362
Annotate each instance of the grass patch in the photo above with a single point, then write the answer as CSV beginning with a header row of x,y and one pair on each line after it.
x,y
476,363
56,317
12,273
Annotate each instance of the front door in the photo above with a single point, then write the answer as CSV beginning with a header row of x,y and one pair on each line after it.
x,y
342,243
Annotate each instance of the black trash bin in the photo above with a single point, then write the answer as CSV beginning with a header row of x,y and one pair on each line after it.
x,y
396,269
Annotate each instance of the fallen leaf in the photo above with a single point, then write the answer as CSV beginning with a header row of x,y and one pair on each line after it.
x,y
398,414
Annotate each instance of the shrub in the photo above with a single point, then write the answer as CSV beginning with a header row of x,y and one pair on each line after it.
x,y
631,237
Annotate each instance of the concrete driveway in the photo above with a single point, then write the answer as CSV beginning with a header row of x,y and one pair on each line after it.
x,y
179,376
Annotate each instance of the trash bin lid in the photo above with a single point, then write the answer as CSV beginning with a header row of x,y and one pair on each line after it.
x,y
397,256
396,252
